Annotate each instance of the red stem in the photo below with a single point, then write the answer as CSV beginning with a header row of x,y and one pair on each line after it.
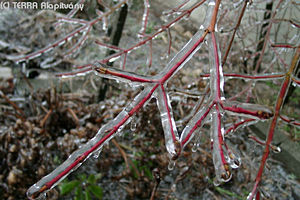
x,y
169,113
279,103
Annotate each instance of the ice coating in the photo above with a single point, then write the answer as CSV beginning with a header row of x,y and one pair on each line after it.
x,y
105,134
221,166
120,75
232,157
216,71
183,56
168,122
145,18
196,122
247,110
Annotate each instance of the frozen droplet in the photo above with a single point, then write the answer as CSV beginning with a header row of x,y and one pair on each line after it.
x,y
97,153
33,193
104,25
171,165
119,131
249,197
195,147
235,163
133,125
216,182
276,149
226,176
295,84
173,187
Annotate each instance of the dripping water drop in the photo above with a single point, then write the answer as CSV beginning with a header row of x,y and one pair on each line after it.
x,y
133,125
195,147
276,149
171,165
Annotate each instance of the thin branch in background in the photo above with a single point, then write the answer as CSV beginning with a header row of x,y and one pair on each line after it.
x,y
279,103
234,31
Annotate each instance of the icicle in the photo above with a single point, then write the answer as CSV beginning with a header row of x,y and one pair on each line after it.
x,y
221,167
168,122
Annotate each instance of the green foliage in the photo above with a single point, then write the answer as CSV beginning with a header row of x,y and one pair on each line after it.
x,y
84,188
142,169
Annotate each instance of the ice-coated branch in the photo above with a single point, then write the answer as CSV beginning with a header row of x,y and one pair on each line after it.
x,y
247,110
258,77
290,121
296,81
267,38
83,29
196,122
108,131
210,108
274,148
152,36
234,31
142,32
242,123
104,135
217,139
289,46
279,103
168,123
129,77
216,71
71,14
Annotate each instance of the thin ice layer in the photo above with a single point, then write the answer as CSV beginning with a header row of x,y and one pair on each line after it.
x,y
167,120
217,137
104,135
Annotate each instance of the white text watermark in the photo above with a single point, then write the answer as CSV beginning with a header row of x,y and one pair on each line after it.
x,y
41,5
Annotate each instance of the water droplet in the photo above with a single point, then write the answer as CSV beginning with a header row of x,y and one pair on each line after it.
x,y
97,153
171,165
173,187
133,125
294,84
195,147
216,182
226,176
235,163
276,149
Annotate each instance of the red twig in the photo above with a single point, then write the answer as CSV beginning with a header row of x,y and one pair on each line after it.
x,y
280,100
